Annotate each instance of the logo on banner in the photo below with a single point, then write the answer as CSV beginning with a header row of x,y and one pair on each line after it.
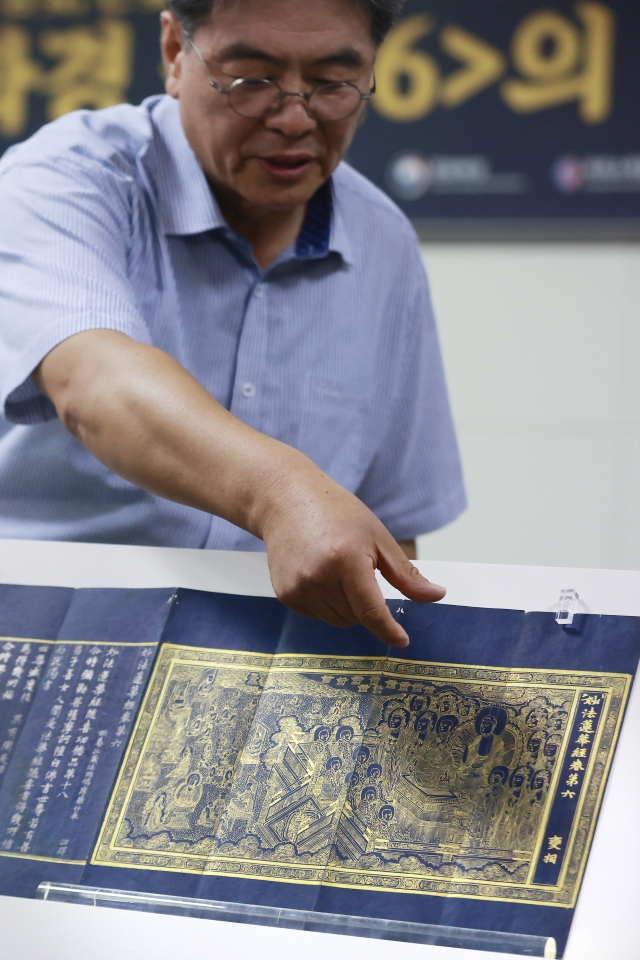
x,y
410,175
597,173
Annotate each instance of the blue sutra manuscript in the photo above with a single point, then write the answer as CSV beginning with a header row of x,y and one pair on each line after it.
x,y
221,747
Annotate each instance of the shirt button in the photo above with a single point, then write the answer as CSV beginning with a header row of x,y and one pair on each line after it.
x,y
248,390
259,290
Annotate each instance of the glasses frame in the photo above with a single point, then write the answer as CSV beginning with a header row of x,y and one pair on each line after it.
x,y
283,94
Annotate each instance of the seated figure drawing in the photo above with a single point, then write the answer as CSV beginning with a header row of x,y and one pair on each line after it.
x,y
322,768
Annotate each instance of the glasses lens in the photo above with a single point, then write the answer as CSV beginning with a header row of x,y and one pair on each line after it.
x,y
253,98
335,101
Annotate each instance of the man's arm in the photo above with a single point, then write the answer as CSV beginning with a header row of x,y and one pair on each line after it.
x,y
140,413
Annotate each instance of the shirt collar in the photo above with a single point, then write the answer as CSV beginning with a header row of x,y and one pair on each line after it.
x,y
187,205
322,230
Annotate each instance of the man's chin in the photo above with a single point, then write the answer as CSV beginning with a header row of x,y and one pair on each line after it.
x,y
277,194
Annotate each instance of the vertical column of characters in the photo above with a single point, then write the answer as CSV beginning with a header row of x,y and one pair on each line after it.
x,y
570,786
22,674
71,747
34,789
121,679
96,671
21,664
130,705
112,735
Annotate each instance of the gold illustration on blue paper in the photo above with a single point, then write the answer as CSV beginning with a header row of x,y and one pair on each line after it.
x,y
375,774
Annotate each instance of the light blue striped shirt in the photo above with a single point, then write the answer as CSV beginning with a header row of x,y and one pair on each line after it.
x,y
107,221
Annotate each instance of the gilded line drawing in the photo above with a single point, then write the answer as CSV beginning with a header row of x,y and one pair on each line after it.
x,y
387,774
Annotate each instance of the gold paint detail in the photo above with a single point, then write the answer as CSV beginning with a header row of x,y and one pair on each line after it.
x,y
354,772
81,643
29,856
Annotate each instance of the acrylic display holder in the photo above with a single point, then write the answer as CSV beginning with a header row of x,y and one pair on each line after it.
x,y
422,933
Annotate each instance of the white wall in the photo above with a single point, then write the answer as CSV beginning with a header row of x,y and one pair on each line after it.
x,y
541,345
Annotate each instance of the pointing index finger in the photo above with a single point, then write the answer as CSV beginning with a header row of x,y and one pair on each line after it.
x,y
369,608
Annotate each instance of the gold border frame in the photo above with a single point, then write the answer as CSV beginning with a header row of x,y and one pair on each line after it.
x,y
563,894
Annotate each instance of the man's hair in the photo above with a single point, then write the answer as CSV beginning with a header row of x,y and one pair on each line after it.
x,y
191,14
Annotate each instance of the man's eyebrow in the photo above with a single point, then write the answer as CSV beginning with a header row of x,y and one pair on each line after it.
x,y
242,51
348,57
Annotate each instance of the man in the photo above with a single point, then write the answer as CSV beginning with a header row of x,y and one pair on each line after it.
x,y
213,331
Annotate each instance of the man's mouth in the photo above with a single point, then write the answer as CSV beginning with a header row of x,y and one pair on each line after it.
x,y
287,166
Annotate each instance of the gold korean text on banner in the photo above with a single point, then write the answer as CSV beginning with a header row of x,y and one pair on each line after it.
x,y
551,60
69,54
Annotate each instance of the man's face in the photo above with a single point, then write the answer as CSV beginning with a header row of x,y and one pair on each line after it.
x,y
279,161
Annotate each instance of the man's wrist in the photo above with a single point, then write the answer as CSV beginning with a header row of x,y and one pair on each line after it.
x,y
284,480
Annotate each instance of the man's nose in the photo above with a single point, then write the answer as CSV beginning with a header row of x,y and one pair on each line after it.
x,y
292,118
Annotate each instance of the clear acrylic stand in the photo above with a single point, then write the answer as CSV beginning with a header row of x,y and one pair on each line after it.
x,y
425,933
567,607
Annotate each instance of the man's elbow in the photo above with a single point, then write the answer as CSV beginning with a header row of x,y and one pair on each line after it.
x,y
67,387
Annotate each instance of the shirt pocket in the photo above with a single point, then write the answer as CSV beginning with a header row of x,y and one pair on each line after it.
x,y
332,426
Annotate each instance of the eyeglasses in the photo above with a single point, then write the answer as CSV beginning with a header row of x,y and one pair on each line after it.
x,y
254,98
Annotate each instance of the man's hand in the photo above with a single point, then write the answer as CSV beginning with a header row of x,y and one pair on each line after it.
x,y
408,547
324,546
142,415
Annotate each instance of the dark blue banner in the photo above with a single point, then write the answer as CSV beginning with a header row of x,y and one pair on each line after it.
x,y
521,116
504,113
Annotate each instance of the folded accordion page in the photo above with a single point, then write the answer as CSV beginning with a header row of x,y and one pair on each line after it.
x,y
218,746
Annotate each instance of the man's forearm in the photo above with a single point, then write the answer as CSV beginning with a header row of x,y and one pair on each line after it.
x,y
146,418
143,415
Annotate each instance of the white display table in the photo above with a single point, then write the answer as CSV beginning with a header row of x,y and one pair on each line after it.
x,y
607,919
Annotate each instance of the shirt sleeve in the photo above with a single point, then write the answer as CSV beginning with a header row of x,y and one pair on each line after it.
x,y
64,251
414,484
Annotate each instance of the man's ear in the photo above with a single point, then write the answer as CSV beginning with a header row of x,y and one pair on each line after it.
x,y
171,45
